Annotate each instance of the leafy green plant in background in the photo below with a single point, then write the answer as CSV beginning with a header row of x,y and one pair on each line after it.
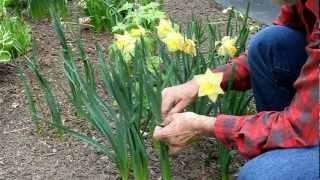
x,y
6,43
34,8
41,8
14,38
103,13
119,15
13,7
3,10
139,15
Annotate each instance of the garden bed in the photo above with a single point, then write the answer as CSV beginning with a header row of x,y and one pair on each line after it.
x,y
25,155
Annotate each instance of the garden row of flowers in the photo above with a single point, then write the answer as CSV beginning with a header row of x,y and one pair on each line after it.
x,y
149,53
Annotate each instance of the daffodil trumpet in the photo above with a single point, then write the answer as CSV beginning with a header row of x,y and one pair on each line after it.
x,y
227,47
209,84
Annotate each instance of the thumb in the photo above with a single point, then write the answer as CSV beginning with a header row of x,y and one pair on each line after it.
x,y
157,133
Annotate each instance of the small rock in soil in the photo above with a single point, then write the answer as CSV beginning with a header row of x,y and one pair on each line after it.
x,y
15,105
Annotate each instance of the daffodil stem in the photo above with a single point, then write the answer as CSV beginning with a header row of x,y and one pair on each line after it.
x,y
224,176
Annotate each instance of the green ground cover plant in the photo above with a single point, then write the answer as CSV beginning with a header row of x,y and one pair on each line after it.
x,y
15,38
35,8
118,15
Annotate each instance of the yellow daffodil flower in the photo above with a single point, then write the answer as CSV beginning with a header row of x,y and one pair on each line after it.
x,y
209,84
125,42
174,41
164,28
227,47
137,32
189,47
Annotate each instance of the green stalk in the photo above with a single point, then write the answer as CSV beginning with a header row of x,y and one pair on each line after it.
x,y
35,116
155,104
165,162
49,96
70,69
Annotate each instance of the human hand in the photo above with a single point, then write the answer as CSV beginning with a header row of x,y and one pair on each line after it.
x,y
175,99
182,129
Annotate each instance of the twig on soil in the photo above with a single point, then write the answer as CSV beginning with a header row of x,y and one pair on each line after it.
x,y
17,130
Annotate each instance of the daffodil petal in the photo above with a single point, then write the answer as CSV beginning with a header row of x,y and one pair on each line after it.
x,y
213,97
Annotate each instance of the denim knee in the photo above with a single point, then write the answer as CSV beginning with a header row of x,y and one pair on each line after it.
x,y
275,57
275,48
283,164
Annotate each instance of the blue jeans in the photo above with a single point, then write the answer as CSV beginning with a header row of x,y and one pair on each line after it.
x,y
275,57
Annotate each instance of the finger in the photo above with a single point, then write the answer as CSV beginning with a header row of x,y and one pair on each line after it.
x,y
171,117
179,107
166,105
158,133
167,120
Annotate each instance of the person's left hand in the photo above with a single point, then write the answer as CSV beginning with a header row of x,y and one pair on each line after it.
x,y
182,129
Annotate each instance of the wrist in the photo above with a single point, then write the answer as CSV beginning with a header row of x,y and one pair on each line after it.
x,y
206,127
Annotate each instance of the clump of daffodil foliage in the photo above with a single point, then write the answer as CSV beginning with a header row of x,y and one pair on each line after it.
x,y
149,23
148,54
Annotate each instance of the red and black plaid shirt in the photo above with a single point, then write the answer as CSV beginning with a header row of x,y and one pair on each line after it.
x,y
298,124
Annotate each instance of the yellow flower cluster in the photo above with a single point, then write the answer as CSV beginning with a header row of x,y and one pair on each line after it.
x,y
209,84
174,40
227,46
126,42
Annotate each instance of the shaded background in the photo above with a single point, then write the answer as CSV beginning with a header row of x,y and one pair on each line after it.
x,y
263,11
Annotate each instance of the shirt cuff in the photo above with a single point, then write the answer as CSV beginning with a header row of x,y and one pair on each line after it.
x,y
225,129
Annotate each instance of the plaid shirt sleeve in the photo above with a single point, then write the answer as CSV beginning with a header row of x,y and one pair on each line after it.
x,y
241,79
295,126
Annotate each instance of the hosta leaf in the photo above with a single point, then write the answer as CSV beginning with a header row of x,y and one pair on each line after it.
x,y
5,56
126,7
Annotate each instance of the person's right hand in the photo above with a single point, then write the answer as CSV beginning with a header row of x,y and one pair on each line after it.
x,y
176,98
